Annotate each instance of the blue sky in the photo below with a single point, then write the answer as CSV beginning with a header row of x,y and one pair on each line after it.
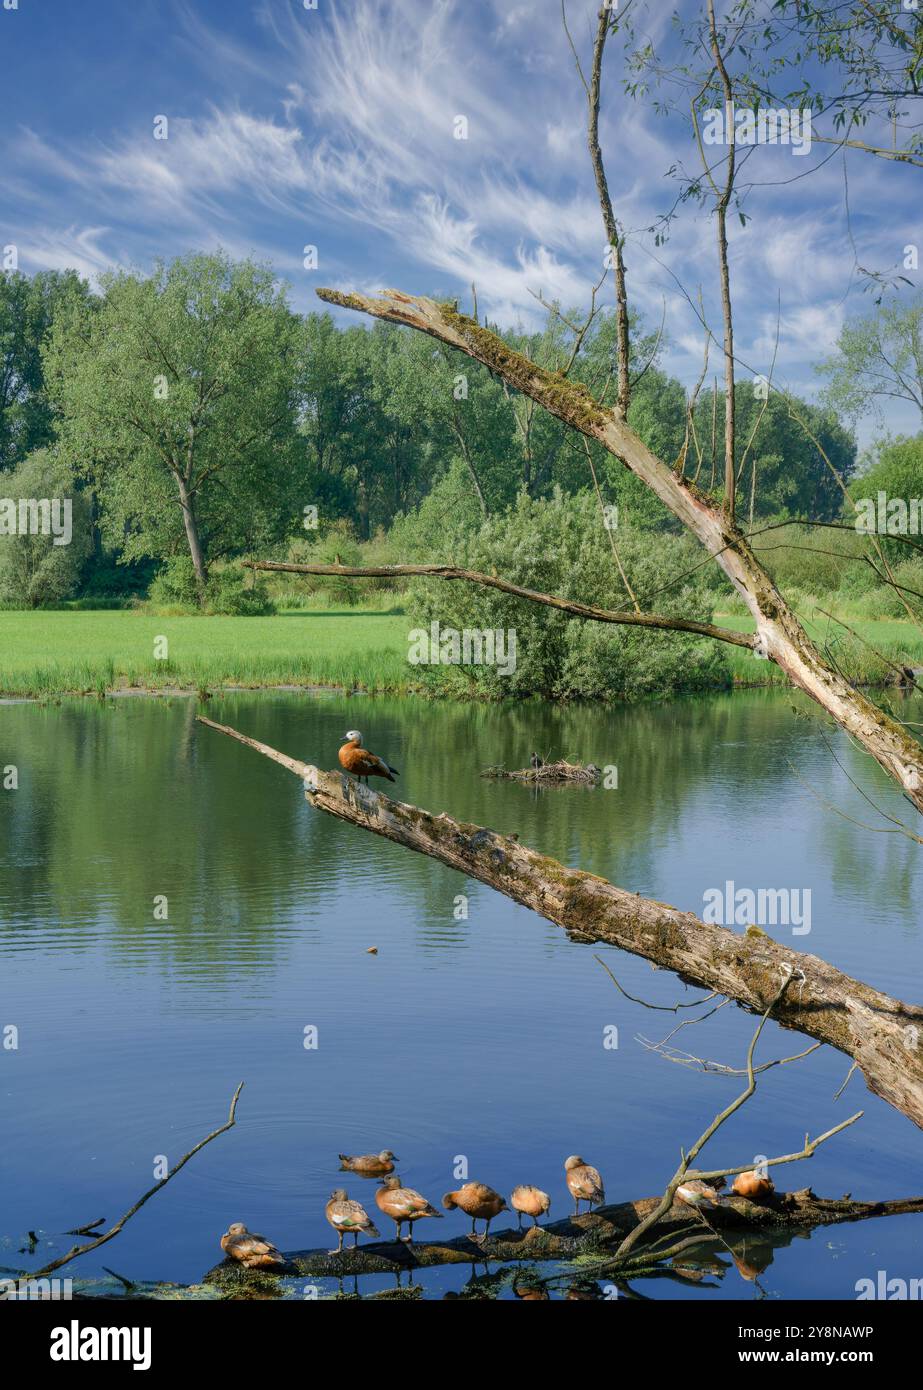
x,y
334,127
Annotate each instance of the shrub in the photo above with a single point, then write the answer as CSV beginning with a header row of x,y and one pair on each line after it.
x,y
228,591
560,546
34,571
235,593
174,584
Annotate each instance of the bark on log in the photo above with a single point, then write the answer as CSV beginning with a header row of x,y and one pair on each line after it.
x,y
782,638
590,1232
882,1034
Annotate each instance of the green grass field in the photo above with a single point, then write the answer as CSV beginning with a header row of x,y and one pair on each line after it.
x,y
894,638
52,653
48,653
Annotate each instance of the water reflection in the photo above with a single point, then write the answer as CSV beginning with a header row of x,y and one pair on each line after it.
x,y
173,915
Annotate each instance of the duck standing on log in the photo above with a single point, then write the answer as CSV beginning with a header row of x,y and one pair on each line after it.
x,y
478,1201
348,1217
403,1204
584,1183
360,762
529,1201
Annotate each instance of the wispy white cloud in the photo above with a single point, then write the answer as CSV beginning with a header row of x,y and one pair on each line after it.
x,y
336,128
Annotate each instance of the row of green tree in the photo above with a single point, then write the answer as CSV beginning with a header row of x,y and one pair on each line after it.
x,y
194,417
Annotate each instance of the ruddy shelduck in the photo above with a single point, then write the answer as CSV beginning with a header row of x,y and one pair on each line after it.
x,y
529,1201
478,1201
369,1165
360,762
249,1249
348,1218
696,1193
584,1183
403,1204
754,1186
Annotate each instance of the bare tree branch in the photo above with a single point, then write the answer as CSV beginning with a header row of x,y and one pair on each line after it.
x,y
113,1231
492,581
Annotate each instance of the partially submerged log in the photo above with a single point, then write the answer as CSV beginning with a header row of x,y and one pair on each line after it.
x,y
561,771
590,1233
883,1035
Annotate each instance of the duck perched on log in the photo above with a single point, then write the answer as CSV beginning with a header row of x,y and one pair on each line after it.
x,y
348,1217
360,762
527,1200
754,1186
403,1204
369,1165
251,1250
696,1193
584,1183
478,1201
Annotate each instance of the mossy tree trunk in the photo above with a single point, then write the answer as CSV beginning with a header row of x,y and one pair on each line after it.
x,y
882,1034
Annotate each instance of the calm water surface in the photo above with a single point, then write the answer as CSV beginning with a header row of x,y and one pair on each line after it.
x,y
480,1037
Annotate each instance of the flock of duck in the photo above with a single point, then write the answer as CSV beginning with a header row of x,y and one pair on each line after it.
x,y
404,1205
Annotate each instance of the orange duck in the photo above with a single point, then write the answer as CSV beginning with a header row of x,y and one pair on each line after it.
x,y
584,1183
360,762
403,1204
478,1201
696,1193
753,1186
250,1250
348,1218
529,1201
369,1165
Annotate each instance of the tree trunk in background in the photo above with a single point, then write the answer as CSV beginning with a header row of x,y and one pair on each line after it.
x,y
187,502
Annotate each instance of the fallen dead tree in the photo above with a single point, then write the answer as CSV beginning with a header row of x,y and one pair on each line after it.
x,y
881,1034
596,1232
780,636
560,771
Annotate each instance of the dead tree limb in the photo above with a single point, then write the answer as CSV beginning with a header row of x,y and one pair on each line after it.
x,y
685,1172
114,1230
492,581
613,232
780,635
880,1033
723,198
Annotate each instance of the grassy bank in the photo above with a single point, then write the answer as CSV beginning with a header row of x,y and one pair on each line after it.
x,y
52,653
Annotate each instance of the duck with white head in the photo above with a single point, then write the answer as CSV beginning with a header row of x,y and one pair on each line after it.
x,y
360,762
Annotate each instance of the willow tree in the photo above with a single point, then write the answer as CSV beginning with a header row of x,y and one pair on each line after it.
x,y
178,395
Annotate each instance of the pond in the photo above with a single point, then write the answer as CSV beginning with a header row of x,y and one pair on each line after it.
x,y
174,916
